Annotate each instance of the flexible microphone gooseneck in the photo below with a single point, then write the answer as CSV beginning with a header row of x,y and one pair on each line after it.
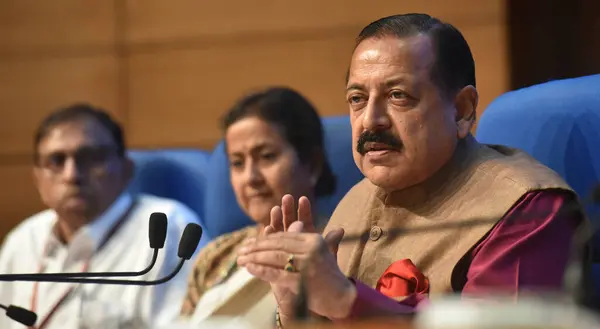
x,y
19,314
157,234
187,246
577,280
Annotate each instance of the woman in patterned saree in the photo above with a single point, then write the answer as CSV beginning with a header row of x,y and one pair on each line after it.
x,y
274,143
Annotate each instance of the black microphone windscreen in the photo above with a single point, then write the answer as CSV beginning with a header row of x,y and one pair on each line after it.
x,y
21,315
189,241
157,233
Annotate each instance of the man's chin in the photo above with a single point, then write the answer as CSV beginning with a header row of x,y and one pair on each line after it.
x,y
381,180
76,206
386,177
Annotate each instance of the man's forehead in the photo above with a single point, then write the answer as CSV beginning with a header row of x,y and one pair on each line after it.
x,y
74,135
400,54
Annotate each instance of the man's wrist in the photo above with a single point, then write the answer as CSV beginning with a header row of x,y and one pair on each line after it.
x,y
346,301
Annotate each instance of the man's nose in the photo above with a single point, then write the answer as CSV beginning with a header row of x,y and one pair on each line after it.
x,y
72,172
376,115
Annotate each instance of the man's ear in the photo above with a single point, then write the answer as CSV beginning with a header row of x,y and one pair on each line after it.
x,y
466,110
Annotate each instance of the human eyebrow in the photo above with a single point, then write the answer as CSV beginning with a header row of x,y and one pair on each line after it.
x,y
355,86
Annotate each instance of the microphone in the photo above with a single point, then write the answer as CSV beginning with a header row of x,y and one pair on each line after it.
x,y
157,234
187,246
157,230
578,282
19,314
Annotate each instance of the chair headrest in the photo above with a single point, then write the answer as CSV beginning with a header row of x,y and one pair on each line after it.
x,y
557,122
175,173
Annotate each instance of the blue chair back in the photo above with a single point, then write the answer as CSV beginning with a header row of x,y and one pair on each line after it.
x,y
558,123
177,174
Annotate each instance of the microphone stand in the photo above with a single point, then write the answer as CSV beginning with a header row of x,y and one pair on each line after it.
x,y
51,276
55,277
187,246
157,235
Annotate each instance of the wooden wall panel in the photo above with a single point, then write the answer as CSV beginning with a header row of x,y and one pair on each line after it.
x,y
57,25
186,91
542,49
157,20
169,69
488,45
31,88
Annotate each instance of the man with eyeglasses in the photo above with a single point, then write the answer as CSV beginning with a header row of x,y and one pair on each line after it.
x,y
81,171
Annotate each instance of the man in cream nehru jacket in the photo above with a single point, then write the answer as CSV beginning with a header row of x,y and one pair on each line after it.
x,y
412,100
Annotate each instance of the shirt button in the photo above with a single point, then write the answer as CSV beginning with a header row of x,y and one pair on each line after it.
x,y
375,233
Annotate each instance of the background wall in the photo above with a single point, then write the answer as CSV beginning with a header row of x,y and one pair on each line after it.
x,y
552,39
168,69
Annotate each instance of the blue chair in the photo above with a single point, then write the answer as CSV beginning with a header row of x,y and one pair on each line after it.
x,y
558,123
222,213
177,174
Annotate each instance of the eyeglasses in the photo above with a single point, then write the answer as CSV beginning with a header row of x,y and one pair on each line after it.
x,y
85,158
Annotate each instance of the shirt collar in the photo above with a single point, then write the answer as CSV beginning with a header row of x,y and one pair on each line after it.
x,y
88,238
97,229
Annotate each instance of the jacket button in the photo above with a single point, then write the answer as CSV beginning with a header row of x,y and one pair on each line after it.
x,y
375,233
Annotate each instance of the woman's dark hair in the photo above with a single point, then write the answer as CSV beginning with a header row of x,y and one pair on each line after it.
x,y
300,122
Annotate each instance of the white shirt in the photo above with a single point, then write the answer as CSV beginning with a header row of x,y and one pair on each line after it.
x,y
92,306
